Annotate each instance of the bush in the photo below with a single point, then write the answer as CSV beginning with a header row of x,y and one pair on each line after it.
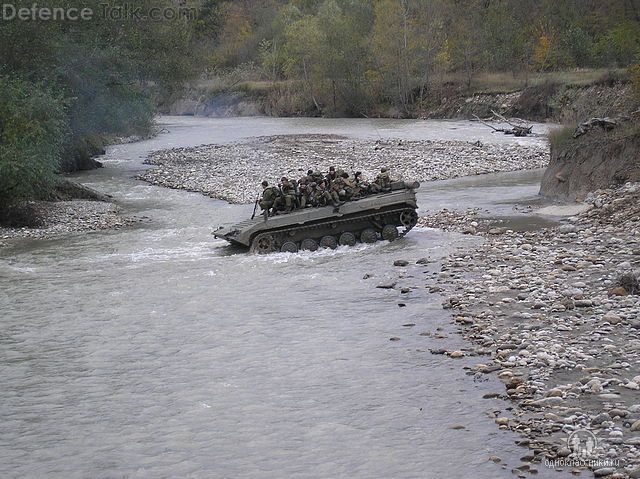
x,y
559,137
32,127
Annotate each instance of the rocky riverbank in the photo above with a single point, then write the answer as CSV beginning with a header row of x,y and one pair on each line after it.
x,y
555,314
233,172
63,217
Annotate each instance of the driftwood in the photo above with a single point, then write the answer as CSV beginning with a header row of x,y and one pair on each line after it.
x,y
606,124
517,130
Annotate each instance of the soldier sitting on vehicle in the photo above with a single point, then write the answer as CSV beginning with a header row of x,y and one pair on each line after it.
x,y
288,196
323,197
361,186
270,195
317,176
382,183
349,187
331,176
303,195
308,178
337,190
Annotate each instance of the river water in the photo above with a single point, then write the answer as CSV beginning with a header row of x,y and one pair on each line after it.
x,y
160,352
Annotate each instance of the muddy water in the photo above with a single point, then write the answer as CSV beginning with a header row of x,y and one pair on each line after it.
x,y
158,351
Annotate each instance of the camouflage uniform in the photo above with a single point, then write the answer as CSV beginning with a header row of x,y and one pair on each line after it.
x,y
361,187
331,177
350,188
317,177
269,196
337,189
288,197
382,182
320,196
303,194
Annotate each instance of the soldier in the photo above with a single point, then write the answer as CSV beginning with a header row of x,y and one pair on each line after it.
x,y
331,176
317,177
323,196
361,187
303,195
349,186
269,196
308,178
383,180
288,197
336,189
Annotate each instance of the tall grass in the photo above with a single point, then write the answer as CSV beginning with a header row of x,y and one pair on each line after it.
x,y
560,137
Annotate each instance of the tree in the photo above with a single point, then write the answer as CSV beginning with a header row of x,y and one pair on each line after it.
x,y
32,124
395,49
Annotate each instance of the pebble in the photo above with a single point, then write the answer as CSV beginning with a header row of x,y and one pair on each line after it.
x,y
567,345
233,171
604,471
63,217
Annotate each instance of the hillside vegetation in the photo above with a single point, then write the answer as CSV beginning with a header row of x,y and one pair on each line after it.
x,y
69,86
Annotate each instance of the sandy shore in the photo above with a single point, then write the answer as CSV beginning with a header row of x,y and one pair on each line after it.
x,y
233,172
63,217
546,313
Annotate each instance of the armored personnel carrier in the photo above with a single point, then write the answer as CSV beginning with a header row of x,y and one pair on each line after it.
x,y
367,220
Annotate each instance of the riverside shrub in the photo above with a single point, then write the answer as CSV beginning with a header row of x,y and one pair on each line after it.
x,y
32,128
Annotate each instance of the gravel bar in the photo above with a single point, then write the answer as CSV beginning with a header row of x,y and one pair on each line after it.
x,y
233,172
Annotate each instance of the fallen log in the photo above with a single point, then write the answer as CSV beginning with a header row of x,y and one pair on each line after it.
x,y
607,124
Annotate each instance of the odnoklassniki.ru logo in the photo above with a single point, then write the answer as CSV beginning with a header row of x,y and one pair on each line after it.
x,y
125,11
584,448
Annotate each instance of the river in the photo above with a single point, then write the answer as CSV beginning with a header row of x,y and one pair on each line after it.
x,y
158,351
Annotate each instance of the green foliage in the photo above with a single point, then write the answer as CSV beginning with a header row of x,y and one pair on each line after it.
x,y
619,45
102,79
353,52
32,124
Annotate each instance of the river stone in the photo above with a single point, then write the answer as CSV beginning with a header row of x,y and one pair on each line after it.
x,y
604,471
583,303
612,318
548,402
617,291
400,262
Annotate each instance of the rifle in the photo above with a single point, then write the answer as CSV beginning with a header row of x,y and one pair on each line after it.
x,y
254,208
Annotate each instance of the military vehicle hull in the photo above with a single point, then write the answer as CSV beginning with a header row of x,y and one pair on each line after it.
x,y
367,220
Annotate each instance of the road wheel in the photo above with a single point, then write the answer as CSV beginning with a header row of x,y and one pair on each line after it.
x,y
369,236
409,218
309,244
347,239
329,242
263,244
289,247
389,233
